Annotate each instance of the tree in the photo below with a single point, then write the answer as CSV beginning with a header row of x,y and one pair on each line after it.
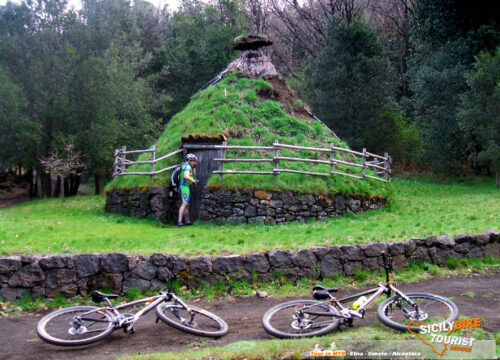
x,y
448,34
479,115
198,46
65,165
350,86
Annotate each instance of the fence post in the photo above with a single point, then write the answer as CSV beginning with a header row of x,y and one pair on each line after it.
x,y
152,167
332,158
123,167
364,163
115,163
276,155
387,166
221,163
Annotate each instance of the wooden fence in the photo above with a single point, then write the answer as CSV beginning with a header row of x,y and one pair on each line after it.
x,y
380,165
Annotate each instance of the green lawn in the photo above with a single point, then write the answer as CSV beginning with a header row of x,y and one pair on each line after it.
x,y
77,225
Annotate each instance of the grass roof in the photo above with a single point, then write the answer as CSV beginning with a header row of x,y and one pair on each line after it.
x,y
244,111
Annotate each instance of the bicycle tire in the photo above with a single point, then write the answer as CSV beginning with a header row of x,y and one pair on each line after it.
x,y
55,328
434,309
195,320
281,320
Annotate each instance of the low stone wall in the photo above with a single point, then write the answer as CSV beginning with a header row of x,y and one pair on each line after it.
x,y
72,275
243,207
237,206
155,202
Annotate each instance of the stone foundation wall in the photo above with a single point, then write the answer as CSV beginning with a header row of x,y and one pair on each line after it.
x,y
243,207
154,202
237,206
72,275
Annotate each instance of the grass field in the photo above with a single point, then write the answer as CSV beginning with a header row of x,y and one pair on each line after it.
x,y
417,209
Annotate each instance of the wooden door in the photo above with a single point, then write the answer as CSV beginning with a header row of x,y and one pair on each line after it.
x,y
204,169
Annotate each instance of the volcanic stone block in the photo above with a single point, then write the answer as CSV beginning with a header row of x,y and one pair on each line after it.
x,y
114,263
164,274
371,264
227,264
158,259
28,276
320,251
10,264
145,270
57,277
330,266
257,262
482,239
445,241
109,281
475,252
176,263
351,266
57,262
352,252
421,254
494,235
87,264
375,249
460,239
14,293
280,258
304,258
396,248
200,265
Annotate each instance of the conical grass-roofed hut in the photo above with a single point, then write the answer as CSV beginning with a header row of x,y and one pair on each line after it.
x,y
263,155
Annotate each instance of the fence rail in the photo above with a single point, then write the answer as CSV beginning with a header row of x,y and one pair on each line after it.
x,y
380,165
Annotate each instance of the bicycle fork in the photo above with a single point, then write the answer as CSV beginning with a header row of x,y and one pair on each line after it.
x,y
414,314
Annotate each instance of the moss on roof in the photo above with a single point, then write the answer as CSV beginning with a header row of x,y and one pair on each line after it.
x,y
242,109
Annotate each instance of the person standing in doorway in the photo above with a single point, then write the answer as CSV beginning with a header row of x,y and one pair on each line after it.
x,y
186,180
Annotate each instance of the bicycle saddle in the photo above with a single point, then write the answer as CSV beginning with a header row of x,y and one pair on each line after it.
x,y
98,296
319,288
322,293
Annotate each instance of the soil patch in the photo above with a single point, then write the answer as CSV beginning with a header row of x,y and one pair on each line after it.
x,y
12,193
475,296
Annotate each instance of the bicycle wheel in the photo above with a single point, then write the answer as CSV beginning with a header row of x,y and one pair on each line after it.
x,y
300,318
73,326
192,320
397,313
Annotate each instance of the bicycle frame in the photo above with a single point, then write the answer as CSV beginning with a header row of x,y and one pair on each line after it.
x,y
120,321
386,287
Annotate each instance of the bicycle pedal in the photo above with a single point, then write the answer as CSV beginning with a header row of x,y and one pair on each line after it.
x,y
129,329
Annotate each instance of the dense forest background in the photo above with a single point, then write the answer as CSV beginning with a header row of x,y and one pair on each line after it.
x,y
419,79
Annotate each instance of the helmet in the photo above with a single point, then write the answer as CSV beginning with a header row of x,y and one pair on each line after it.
x,y
191,157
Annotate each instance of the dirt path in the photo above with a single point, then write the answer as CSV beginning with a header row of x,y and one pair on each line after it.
x,y
475,296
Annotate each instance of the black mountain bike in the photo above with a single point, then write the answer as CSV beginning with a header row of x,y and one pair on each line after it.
x,y
400,311
82,325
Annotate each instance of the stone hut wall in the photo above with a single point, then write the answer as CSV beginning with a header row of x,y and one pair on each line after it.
x,y
238,206
71,275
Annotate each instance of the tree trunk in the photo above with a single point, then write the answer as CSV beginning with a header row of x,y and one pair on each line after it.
x,y
31,183
46,184
39,192
66,185
74,184
61,186
97,182
57,189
